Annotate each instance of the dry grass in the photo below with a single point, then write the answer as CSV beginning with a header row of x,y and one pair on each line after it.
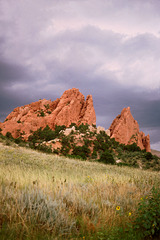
x,y
67,196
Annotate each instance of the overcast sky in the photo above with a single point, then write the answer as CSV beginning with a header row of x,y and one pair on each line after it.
x,y
107,48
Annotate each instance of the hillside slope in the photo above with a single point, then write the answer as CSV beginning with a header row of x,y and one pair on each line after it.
x,y
45,196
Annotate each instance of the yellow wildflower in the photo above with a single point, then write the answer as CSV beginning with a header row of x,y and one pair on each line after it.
x,y
118,208
129,213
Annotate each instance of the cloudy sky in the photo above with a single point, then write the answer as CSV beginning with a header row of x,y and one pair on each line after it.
x,y
107,48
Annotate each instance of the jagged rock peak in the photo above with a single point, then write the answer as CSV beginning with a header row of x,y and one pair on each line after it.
x,y
125,129
70,108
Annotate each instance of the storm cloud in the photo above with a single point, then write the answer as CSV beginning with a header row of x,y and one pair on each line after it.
x,y
105,48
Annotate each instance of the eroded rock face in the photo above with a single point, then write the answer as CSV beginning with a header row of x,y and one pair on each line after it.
x,y
70,108
125,129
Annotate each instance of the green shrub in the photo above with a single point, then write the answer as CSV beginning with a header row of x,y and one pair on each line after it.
x,y
87,142
100,138
121,164
147,221
83,151
56,151
42,113
147,166
101,143
44,148
59,128
135,164
46,106
72,124
82,128
46,134
132,147
18,121
106,157
149,156
66,142
94,154
65,150
144,150
9,135
18,140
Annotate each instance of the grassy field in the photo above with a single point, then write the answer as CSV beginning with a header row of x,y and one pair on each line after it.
x,y
45,196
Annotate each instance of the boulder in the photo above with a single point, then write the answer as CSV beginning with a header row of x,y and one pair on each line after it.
x,y
99,129
108,132
67,131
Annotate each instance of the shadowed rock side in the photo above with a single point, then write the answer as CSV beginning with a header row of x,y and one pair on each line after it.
x,y
125,129
70,108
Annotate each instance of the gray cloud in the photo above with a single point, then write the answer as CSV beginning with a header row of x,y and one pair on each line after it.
x,y
10,72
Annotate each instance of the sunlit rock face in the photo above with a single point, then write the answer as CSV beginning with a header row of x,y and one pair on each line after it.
x,y
125,129
70,108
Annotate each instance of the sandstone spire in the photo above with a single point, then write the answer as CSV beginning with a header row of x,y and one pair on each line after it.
x,y
126,130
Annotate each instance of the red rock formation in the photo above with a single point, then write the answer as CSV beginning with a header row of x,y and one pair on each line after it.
x,y
126,130
1,126
70,108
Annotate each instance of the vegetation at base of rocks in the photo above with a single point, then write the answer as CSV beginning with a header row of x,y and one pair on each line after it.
x,y
107,157
44,148
81,151
82,143
45,134
131,148
149,156
9,135
44,196
82,128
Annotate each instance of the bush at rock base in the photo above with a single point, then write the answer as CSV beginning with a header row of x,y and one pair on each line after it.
x,y
106,157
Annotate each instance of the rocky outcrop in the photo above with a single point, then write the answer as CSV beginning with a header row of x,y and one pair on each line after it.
x,y
99,129
70,108
126,130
